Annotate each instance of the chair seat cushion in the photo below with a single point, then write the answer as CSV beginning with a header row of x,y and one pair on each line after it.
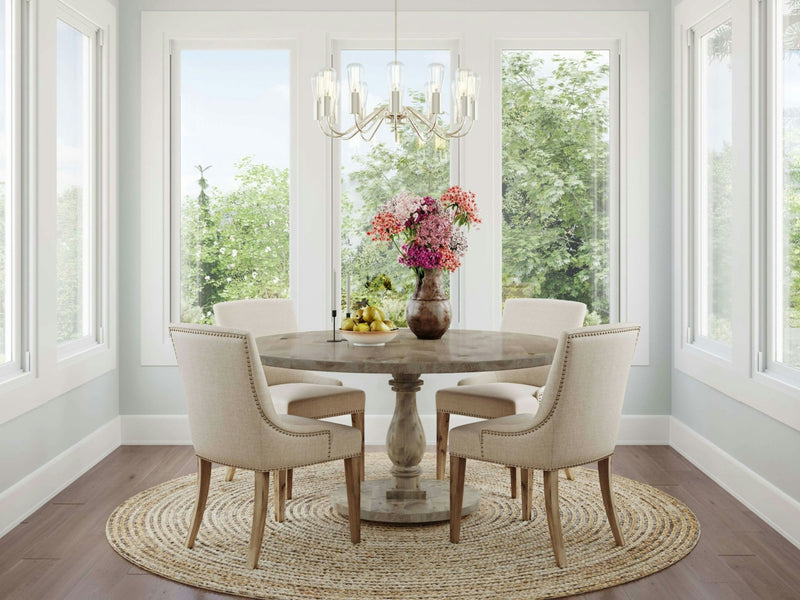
x,y
488,400
316,401
345,440
465,441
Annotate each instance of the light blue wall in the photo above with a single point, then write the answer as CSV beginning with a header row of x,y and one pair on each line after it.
x,y
767,446
156,390
32,439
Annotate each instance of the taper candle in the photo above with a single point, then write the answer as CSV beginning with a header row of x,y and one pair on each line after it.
x,y
347,306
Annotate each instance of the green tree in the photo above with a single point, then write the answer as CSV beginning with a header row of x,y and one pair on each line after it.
x,y
69,264
555,179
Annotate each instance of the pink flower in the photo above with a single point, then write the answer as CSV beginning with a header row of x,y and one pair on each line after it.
x,y
384,226
435,230
466,206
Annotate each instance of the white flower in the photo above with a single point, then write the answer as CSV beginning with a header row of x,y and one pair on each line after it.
x,y
267,249
222,250
234,252
208,277
229,279
255,274
232,266
275,280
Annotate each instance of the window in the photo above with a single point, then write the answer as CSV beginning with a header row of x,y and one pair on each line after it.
x,y
76,186
374,171
230,119
784,196
559,206
712,190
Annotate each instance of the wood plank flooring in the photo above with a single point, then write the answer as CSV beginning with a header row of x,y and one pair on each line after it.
x,y
61,552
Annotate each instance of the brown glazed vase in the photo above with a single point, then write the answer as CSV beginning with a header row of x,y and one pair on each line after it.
x,y
428,312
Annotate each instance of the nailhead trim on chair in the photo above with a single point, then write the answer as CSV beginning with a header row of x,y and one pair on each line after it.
x,y
558,396
252,384
336,414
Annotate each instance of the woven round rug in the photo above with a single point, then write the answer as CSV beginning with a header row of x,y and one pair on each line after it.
x,y
309,555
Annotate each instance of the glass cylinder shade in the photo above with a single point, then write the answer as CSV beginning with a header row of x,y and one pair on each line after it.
x,y
355,77
395,72
436,76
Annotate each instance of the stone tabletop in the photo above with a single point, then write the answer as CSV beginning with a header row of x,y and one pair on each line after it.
x,y
459,351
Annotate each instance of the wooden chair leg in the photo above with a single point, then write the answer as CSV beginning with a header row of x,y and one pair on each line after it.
x,y
568,473
553,516
526,477
513,476
442,429
203,481
357,420
229,473
259,518
604,472
289,473
458,467
279,495
353,484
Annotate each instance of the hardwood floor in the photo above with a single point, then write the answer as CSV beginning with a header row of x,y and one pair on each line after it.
x,y
61,551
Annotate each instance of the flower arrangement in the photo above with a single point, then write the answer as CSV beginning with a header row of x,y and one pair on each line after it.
x,y
431,232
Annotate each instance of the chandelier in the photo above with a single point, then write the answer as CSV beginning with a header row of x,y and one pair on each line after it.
x,y
464,87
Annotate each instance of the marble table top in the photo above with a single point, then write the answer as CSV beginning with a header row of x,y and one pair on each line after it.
x,y
459,351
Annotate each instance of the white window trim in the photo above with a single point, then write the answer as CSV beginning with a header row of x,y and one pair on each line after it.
x,y
479,279
44,377
740,377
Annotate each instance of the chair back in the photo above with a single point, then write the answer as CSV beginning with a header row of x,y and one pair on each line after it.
x,y
261,316
538,316
231,415
582,402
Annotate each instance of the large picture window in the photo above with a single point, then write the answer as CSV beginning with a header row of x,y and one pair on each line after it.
x,y
559,208
76,184
374,171
230,119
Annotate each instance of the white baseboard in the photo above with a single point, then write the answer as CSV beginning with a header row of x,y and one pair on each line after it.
x,y
174,429
777,508
34,490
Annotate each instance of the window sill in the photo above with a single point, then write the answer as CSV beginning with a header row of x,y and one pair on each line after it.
x,y
775,398
31,389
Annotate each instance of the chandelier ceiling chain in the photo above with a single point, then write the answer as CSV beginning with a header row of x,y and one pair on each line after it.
x,y
326,88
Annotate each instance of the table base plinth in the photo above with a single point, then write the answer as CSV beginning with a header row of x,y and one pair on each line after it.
x,y
435,507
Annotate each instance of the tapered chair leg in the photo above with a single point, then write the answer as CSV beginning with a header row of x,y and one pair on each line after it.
x,y
604,472
442,429
229,473
279,495
259,518
553,516
458,467
203,481
357,420
568,473
526,476
353,484
513,476
289,483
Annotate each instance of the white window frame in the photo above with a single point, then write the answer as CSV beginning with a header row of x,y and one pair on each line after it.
x,y
45,372
742,376
616,167
476,287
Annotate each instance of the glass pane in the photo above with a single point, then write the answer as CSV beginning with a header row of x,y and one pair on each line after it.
x,y
373,172
73,184
556,196
234,140
715,250
6,257
789,202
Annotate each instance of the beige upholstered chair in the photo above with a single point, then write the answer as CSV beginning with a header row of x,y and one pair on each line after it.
x,y
234,423
299,393
492,395
576,423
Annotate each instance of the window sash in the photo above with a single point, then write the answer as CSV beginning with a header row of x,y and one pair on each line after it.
x,y
92,290
698,310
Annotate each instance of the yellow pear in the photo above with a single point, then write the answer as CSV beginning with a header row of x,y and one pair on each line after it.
x,y
379,326
363,327
389,324
348,324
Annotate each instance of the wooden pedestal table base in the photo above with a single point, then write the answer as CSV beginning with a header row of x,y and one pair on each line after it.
x,y
406,497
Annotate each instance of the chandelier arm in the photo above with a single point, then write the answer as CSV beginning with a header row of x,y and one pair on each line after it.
x,y
378,123
459,133
422,136
363,125
431,125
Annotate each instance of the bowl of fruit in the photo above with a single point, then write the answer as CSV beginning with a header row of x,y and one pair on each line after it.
x,y
368,327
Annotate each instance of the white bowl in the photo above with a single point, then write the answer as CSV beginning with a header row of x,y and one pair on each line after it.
x,y
369,338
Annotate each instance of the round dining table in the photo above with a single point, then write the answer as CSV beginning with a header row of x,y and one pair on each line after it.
x,y
405,496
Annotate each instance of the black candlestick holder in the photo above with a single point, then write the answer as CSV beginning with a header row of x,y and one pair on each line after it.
x,y
333,328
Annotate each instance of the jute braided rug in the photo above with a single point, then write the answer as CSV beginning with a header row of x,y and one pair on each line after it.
x,y
310,555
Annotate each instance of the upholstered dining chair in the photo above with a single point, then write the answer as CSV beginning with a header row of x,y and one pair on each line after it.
x,y
576,423
234,423
299,393
499,394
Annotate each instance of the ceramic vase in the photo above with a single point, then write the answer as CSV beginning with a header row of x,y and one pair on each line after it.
x,y
428,311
